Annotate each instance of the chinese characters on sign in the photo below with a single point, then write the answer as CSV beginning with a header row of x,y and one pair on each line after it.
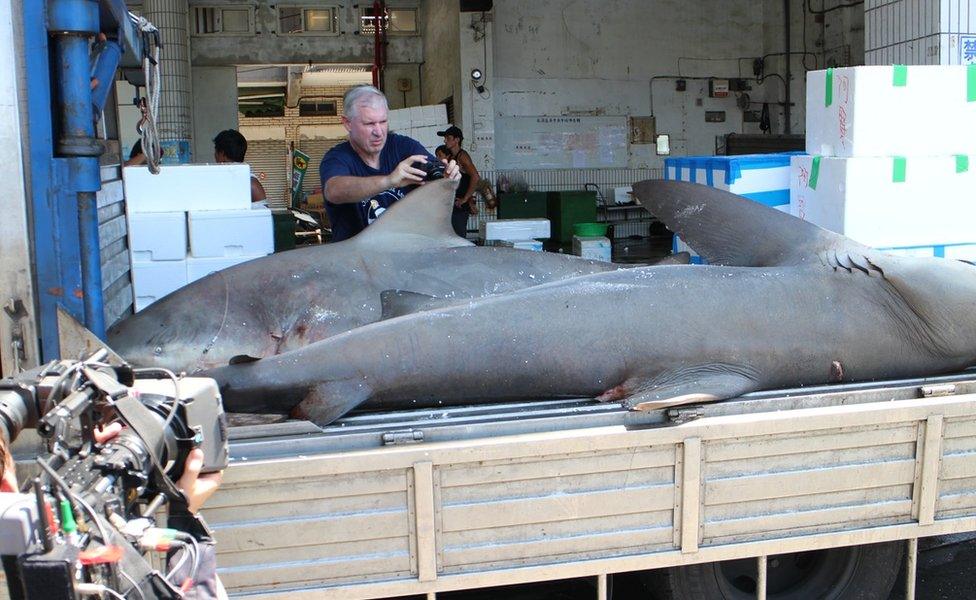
x,y
967,49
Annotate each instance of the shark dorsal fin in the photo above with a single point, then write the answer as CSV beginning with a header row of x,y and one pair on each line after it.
x,y
421,219
731,230
397,303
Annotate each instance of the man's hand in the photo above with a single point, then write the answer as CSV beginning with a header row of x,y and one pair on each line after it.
x,y
196,487
406,174
451,170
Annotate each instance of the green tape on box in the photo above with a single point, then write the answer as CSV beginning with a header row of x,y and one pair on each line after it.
x,y
829,88
971,83
962,163
899,76
814,173
898,168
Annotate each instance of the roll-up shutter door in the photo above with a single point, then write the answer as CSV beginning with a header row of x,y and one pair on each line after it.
x,y
316,149
269,161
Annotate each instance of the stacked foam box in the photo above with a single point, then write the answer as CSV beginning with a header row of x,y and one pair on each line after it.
x,y
223,228
593,247
763,178
890,158
523,234
421,123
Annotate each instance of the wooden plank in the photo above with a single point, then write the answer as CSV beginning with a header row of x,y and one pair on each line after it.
x,y
813,481
558,529
958,466
565,569
340,550
630,460
600,438
325,570
111,193
557,507
849,515
590,482
964,427
809,460
111,231
800,444
538,550
789,504
958,445
113,268
691,494
313,529
931,459
310,488
423,485
317,506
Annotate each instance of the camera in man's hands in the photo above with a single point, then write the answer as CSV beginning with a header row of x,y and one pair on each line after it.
x,y
433,168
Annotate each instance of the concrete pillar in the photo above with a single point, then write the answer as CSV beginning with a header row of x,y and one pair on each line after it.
x,y
175,118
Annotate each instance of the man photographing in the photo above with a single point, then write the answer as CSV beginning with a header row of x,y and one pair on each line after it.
x,y
364,176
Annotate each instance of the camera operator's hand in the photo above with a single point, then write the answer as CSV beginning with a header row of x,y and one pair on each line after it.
x,y
196,487
406,174
451,170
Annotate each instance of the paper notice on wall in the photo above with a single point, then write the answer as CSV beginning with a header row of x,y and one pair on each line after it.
x,y
561,142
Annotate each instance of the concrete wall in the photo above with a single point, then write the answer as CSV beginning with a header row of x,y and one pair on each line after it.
x,y
214,107
441,70
623,57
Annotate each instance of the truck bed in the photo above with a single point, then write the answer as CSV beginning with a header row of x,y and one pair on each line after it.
x,y
416,502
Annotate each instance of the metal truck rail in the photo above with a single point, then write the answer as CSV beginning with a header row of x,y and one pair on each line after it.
x,y
432,500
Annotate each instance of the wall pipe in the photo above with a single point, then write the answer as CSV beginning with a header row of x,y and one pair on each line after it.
x,y
71,23
787,112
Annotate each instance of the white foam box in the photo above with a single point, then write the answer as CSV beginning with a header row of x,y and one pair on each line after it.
x,y
427,135
153,280
593,248
891,110
157,236
515,229
221,233
198,268
398,119
888,202
187,187
532,245
763,178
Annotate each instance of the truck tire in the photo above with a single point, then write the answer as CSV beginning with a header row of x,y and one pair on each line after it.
x,y
853,573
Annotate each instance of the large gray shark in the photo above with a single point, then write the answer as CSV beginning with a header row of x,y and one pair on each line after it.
x,y
819,308
285,301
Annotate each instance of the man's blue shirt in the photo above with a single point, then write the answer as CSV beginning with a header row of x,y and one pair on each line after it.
x,y
351,218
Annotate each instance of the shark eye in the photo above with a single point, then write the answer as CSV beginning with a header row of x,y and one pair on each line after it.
x,y
158,350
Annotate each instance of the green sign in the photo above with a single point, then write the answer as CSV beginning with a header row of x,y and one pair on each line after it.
x,y
299,165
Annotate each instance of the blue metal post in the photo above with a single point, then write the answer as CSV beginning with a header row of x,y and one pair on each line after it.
x,y
71,24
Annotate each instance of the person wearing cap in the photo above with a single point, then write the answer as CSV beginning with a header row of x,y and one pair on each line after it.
x,y
365,175
463,202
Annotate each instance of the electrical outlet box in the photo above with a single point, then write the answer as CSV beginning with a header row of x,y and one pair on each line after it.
x,y
718,88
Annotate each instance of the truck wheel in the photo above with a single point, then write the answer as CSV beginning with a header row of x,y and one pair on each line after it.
x,y
853,573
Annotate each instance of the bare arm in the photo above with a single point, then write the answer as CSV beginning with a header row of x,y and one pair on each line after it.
x,y
257,191
345,189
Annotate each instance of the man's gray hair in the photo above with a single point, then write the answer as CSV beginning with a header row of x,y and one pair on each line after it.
x,y
362,95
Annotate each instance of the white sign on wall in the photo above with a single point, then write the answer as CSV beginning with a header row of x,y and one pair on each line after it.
x,y
562,142
967,49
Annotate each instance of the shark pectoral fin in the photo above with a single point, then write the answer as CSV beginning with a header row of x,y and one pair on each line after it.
x,y
689,386
397,303
242,359
326,402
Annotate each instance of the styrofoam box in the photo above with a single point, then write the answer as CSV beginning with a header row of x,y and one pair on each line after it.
x,y
153,280
435,114
890,110
198,268
221,233
533,245
428,135
764,178
157,236
515,229
188,187
965,252
860,198
593,248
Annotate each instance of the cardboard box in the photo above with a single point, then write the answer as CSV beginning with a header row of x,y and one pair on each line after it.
x,y
179,188
888,202
157,236
890,110
222,233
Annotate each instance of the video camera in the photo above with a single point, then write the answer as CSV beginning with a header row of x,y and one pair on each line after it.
x,y
84,529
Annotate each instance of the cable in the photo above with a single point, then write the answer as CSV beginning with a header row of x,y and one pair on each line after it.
x,y
176,389
824,11
135,586
61,483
